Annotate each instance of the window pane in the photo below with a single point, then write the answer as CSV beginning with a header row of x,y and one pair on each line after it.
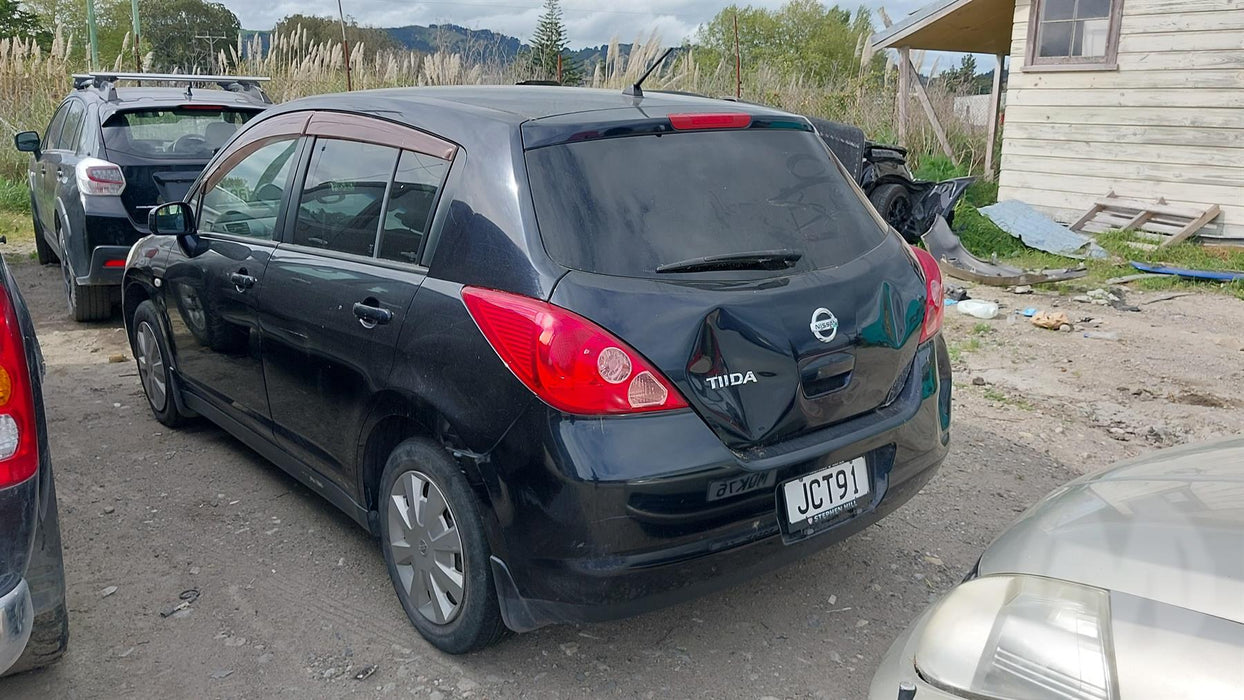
x,y
1089,9
410,206
68,139
175,132
1055,39
340,205
1058,9
54,128
247,200
1090,39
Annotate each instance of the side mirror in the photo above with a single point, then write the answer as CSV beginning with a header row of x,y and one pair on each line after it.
x,y
27,142
177,219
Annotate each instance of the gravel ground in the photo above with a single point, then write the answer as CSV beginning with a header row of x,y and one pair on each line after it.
x,y
292,599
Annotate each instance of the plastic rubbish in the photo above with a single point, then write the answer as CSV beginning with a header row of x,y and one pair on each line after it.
x,y
1030,311
978,308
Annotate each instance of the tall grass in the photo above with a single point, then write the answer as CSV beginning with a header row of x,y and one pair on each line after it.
x,y
32,83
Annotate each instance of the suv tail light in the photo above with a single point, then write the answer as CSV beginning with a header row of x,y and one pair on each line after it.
x,y
569,362
19,454
99,177
935,300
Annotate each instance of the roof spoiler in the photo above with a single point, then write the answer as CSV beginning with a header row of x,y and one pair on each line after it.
x,y
105,83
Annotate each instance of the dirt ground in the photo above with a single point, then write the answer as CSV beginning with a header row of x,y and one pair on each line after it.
x,y
292,599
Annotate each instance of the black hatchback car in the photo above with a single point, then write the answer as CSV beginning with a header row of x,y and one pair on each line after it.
x,y
112,153
570,354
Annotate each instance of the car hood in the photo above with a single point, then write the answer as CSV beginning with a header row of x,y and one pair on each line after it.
x,y
1168,527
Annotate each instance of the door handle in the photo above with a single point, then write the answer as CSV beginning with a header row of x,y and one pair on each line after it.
x,y
242,281
371,315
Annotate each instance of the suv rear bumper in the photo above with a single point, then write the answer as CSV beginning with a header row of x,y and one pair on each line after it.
x,y
100,272
17,614
587,549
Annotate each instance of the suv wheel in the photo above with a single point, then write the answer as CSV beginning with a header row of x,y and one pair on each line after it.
x,y
87,302
44,251
151,353
435,549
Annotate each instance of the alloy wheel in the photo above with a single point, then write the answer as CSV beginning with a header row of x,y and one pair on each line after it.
x,y
426,547
151,366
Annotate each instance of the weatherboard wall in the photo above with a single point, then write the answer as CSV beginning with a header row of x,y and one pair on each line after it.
x,y
1168,123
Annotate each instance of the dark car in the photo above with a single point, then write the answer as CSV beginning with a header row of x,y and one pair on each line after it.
x,y
111,154
571,354
34,624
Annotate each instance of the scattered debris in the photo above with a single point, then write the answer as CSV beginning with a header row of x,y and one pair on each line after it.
x,y
1101,335
1036,230
1188,273
109,510
957,262
1166,297
107,591
978,308
1053,320
366,672
1029,312
978,381
114,359
955,293
1021,289
219,675
1132,278
187,596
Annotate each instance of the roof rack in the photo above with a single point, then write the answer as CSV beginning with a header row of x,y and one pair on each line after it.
x,y
105,82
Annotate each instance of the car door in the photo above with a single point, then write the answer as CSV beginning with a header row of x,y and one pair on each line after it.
x,y
340,284
42,184
211,298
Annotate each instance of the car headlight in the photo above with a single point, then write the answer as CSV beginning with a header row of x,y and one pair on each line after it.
x,y
1020,637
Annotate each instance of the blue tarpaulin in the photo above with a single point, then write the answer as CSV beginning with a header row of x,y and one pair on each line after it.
x,y
1039,231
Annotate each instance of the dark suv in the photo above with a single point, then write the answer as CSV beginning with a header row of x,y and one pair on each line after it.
x,y
111,154
570,354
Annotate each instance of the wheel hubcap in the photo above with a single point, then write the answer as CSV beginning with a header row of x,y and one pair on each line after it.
x,y
426,547
151,366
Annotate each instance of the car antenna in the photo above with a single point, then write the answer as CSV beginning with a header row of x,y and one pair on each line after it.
x,y
636,90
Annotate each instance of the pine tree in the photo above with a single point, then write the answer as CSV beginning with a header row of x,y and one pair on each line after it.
x,y
548,43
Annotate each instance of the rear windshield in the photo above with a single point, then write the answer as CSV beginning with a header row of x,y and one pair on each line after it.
x,y
623,206
180,132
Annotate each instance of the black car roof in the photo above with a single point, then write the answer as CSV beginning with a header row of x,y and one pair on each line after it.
x,y
511,103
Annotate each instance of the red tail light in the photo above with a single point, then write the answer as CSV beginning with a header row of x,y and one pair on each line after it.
x,y
19,454
935,300
710,121
569,362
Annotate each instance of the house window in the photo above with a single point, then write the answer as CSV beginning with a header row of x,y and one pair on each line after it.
x,y
1073,34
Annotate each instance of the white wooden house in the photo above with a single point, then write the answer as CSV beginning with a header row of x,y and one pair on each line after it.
x,y
1144,98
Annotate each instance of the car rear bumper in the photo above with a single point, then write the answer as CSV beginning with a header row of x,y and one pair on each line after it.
x,y
17,614
107,266
593,534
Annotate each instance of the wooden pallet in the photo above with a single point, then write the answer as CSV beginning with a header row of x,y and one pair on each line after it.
x,y
1156,222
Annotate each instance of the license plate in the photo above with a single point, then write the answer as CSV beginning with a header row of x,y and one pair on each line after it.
x,y
740,484
821,495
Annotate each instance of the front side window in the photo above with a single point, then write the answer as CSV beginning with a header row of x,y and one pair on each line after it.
x,y
246,200
1074,32
341,203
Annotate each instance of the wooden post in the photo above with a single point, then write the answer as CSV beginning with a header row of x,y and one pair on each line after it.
x,y
904,89
995,102
738,60
345,46
928,111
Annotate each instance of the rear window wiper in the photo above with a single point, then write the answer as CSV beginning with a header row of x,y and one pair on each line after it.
x,y
754,260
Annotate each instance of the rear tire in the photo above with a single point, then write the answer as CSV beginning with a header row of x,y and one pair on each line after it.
x,y
893,202
151,354
431,519
87,302
45,575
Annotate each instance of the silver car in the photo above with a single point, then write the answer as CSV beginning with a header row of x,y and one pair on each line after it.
x,y
1127,584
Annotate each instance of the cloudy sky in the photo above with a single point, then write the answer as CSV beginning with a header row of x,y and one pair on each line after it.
x,y
589,22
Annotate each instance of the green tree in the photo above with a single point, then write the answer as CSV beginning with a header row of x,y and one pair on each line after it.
x,y
321,30
16,21
549,44
801,38
171,28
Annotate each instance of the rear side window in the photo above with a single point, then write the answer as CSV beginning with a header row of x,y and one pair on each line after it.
x,y
624,206
180,132
415,186
68,139
54,127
